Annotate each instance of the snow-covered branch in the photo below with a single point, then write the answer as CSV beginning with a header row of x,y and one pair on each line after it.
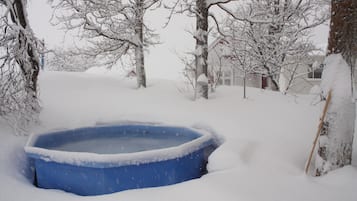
x,y
19,67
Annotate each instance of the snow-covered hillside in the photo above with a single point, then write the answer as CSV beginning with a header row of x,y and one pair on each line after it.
x,y
267,138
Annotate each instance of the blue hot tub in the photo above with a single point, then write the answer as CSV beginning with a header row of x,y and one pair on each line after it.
x,y
106,159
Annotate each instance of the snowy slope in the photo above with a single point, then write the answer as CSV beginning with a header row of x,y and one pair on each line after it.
x,y
267,140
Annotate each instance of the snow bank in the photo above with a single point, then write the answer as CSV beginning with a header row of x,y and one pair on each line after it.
x,y
315,90
267,140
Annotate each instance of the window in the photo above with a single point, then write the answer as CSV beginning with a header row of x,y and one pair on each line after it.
x,y
315,73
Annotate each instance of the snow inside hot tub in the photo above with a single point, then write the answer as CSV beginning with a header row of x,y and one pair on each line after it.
x,y
127,139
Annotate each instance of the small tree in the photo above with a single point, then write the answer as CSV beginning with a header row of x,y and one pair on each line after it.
x,y
335,142
19,66
112,28
239,50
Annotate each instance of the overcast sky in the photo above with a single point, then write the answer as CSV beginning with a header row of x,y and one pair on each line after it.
x,y
162,60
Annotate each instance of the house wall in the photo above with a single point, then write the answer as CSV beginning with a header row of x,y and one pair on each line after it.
x,y
302,84
230,74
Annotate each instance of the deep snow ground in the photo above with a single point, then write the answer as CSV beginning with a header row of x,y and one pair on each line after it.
x,y
267,140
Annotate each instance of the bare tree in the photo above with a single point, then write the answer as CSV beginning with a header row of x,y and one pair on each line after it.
x,y
336,138
112,28
19,66
276,33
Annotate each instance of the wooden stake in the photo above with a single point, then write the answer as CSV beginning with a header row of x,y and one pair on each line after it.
x,y
322,119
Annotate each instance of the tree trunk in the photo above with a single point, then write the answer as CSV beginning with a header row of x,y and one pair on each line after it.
x,y
335,142
291,79
244,85
139,49
273,84
342,39
29,66
201,54
274,29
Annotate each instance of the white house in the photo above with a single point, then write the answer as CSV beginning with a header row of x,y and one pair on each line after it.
x,y
223,69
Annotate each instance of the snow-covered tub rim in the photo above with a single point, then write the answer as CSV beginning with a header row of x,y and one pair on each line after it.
x,y
206,138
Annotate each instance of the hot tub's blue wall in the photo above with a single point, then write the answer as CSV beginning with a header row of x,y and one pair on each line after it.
x,y
97,181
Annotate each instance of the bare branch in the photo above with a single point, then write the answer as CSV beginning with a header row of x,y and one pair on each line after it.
x,y
217,24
